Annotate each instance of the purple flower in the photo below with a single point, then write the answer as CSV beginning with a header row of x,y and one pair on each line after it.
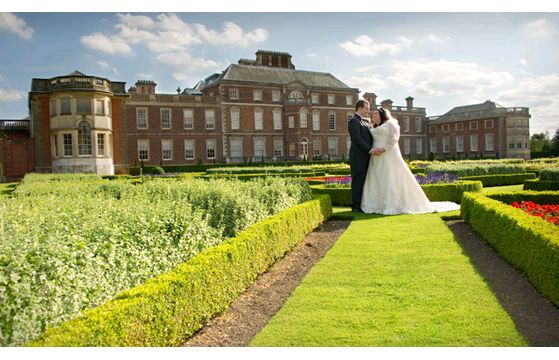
x,y
436,178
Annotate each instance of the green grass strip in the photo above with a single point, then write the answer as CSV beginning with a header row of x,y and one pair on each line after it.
x,y
393,281
500,189
7,188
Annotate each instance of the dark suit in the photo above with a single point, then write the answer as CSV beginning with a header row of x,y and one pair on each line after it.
x,y
361,144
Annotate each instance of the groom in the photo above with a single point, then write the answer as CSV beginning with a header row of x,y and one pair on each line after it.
x,y
359,153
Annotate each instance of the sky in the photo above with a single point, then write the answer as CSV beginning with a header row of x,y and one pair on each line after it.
x,y
443,60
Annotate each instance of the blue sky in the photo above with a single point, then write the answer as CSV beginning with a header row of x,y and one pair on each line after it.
x,y
441,59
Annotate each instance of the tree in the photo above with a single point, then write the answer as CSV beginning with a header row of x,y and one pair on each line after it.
x,y
555,143
540,145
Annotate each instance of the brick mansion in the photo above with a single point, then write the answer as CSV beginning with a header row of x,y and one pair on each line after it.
x,y
260,109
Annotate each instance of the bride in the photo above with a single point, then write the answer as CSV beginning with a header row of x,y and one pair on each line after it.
x,y
390,187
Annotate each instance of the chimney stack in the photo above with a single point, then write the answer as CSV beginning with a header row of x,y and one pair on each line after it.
x,y
409,101
371,98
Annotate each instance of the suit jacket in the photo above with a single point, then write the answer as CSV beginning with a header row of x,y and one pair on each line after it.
x,y
361,139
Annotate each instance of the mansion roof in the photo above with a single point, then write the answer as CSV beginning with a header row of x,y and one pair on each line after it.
x,y
486,106
264,74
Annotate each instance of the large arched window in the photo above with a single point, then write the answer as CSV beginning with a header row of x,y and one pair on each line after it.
x,y
84,138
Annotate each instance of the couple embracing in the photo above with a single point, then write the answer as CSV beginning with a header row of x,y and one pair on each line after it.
x,y
382,182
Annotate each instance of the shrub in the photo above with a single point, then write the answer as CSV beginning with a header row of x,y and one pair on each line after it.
x,y
167,310
549,174
529,243
135,171
463,169
157,170
501,179
538,185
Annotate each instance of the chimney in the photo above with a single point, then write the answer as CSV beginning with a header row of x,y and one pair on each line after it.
x,y
387,104
145,87
409,102
371,98
273,59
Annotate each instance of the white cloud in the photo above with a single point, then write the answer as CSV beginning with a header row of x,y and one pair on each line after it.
x,y
366,83
541,28
103,64
145,76
436,39
364,45
523,61
7,95
115,70
444,78
310,55
540,95
107,44
232,34
11,23
137,21
184,60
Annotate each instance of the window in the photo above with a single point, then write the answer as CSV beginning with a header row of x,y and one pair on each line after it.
x,y
433,145
257,94
406,146
446,128
53,108
67,139
511,146
276,95
460,143
277,119
419,146
473,125
167,149
189,149
259,147
489,146
55,141
165,118
210,148
84,138
314,98
291,121
519,145
489,124
316,120
406,123
446,144
210,119
333,146
236,147
258,119
331,121
188,119
83,106
100,144
291,149
99,107
110,108
473,142
417,124
331,99
349,100
141,118
316,147
234,94
235,118
143,149
347,145
459,127
305,148
303,118
65,107
278,147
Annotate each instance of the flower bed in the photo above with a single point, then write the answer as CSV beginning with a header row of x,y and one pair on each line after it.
x,y
436,178
71,245
528,242
550,213
170,308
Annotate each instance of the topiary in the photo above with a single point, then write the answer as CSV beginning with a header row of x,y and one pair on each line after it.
x,y
157,170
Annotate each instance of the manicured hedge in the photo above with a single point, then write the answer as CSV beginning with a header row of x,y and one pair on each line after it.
x,y
501,179
204,167
528,242
167,310
549,174
539,185
338,171
255,176
540,197
435,192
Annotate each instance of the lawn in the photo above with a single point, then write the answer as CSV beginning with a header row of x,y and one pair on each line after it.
x,y
393,281
499,189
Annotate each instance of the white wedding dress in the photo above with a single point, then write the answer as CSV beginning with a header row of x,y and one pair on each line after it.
x,y
390,187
